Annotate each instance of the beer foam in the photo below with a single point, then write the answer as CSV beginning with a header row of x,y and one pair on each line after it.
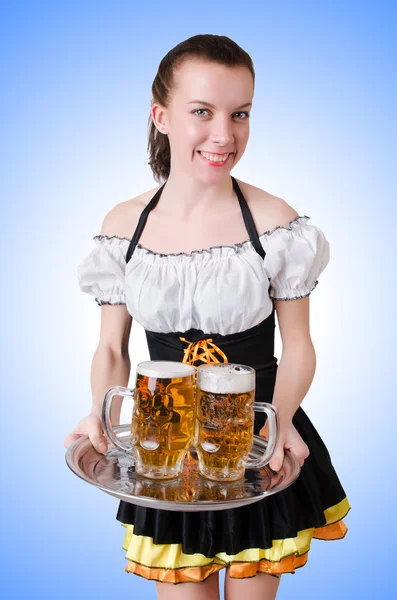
x,y
164,368
209,447
149,444
226,378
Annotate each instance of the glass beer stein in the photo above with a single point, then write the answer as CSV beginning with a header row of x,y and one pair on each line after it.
x,y
163,417
225,405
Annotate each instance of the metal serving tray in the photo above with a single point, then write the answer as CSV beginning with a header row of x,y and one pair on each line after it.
x,y
114,473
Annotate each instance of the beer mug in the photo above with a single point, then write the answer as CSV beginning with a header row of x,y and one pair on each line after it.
x,y
163,417
225,405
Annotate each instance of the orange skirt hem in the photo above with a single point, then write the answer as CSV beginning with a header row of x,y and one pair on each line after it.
x,y
238,570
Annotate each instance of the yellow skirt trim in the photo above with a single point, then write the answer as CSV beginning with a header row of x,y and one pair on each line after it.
x,y
167,562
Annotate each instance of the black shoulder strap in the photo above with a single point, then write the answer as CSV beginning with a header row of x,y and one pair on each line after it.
x,y
142,222
248,220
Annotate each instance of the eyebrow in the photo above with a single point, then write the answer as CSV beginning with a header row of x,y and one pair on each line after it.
x,y
212,106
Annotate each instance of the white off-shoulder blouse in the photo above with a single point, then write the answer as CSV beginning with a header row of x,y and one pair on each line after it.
x,y
222,289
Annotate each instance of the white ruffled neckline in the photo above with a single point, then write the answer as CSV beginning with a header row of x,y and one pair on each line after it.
x,y
222,249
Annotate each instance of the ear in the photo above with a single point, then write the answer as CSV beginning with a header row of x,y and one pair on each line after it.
x,y
159,116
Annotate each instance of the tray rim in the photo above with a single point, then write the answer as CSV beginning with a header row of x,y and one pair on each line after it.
x,y
83,444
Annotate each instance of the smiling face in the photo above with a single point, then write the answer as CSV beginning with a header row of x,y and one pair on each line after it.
x,y
207,118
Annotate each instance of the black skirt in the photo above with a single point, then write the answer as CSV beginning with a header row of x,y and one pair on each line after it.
x,y
271,536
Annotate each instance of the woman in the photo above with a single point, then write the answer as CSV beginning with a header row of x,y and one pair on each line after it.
x,y
192,276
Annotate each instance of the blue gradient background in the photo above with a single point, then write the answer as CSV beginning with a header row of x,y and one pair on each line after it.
x,y
74,107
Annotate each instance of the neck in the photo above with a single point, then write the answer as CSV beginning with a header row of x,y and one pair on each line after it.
x,y
188,197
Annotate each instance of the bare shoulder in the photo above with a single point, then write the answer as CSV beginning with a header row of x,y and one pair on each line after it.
x,y
122,219
268,211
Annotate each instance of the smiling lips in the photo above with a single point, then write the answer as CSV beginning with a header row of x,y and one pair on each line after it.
x,y
215,159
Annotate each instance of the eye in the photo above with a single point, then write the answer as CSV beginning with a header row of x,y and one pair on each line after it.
x,y
243,113
202,109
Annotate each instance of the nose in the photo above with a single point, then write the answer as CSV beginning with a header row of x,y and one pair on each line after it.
x,y
222,130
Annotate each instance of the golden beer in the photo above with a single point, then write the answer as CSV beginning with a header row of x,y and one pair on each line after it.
x,y
163,419
225,397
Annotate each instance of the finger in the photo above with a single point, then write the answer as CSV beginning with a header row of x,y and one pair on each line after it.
x,y
96,433
99,441
297,457
303,460
300,460
109,441
277,461
72,437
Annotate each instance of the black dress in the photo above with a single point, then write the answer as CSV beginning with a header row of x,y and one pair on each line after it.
x,y
271,536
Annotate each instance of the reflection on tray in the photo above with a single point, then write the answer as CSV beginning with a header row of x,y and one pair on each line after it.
x,y
114,473
190,487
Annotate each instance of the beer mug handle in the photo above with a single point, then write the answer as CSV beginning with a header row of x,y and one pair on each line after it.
x,y
116,390
274,432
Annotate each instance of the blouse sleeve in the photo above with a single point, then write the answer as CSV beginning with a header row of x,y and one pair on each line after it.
x,y
295,257
102,272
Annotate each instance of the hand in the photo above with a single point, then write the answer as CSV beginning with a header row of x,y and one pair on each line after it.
x,y
90,427
289,439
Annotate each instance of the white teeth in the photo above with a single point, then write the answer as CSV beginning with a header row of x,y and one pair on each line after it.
x,y
215,157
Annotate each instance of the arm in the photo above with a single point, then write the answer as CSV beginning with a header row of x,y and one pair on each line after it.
x,y
110,366
297,364
294,376
295,258
111,362
293,261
